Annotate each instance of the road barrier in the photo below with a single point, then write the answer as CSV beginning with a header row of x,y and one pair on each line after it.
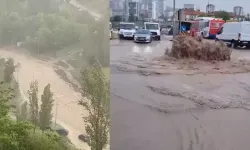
x,y
184,33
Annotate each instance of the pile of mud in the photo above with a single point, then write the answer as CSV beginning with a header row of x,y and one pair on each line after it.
x,y
189,47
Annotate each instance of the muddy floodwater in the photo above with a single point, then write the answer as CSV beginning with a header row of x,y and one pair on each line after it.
x,y
164,104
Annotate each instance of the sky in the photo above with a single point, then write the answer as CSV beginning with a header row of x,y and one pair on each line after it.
x,y
219,4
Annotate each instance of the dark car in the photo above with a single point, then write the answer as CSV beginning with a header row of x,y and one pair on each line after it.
x,y
62,132
143,36
83,138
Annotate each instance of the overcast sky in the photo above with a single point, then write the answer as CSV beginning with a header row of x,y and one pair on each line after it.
x,y
219,4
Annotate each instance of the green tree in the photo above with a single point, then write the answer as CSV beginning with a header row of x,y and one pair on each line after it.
x,y
203,15
18,136
46,108
12,134
33,103
222,14
95,87
11,25
9,70
46,140
24,111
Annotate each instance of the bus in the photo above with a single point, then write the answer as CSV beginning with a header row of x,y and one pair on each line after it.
x,y
208,26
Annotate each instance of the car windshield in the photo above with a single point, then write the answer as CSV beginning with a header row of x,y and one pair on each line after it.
x,y
152,26
142,32
127,26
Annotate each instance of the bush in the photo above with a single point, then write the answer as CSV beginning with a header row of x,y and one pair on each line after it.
x,y
42,32
54,33
46,141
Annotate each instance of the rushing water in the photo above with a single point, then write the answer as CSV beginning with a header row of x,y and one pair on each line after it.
x,y
176,112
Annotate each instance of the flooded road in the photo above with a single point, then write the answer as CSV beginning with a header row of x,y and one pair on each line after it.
x,y
199,111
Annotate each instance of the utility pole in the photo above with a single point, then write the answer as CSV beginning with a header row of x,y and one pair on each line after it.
x,y
173,18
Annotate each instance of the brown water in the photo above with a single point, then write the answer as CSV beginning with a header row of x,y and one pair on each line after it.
x,y
174,107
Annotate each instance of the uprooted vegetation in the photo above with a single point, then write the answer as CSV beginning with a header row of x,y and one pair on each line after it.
x,y
189,47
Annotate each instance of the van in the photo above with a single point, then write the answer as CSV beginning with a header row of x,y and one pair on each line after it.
x,y
126,30
154,28
235,34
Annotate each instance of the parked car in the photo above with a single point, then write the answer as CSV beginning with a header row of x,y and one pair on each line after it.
x,y
235,34
143,35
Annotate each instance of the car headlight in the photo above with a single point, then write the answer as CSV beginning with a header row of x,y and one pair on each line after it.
x,y
135,37
148,37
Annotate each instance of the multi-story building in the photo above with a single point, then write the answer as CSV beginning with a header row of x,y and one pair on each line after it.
x,y
161,7
150,8
116,8
168,13
155,10
133,9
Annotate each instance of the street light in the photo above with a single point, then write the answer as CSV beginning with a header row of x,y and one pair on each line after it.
x,y
173,18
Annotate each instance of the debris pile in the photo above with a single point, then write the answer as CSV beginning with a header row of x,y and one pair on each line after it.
x,y
189,47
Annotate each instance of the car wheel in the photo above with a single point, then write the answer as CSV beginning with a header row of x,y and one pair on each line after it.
x,y
159,38
248,47
233,44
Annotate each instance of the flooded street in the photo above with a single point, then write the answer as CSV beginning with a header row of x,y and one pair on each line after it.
x,y
168,106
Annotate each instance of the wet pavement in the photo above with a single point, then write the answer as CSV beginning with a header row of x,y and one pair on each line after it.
x,y
175,111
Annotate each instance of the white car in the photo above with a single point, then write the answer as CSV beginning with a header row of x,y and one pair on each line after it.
x,y
154,28
126,30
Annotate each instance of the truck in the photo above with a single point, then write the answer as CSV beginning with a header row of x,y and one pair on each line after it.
x,y
126,30
154,28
